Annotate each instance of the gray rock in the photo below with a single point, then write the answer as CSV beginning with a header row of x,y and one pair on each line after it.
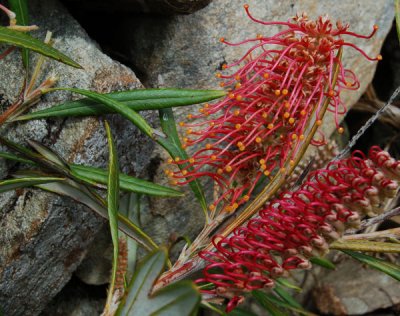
x,y
354,289
44,237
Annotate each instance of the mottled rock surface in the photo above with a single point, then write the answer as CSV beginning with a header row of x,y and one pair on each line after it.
x,y
44,237
354,289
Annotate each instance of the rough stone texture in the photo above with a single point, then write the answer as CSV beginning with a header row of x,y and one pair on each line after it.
x,y
44,237
353,289
148,6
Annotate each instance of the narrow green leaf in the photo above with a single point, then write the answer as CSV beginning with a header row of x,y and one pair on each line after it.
x,y
265,301
180,298
127,183
264,298
365,245
397,15
98,178
130,207
323,262
23,40
284,282
390,269
112,207
116,106
241,312
174,147
20,8
12,184
48,154
137,100
81,194
10,156
284,295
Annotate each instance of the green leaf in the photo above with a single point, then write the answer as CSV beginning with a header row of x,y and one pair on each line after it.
x,y
174,147
98,178
48,154
265,301
127,183
366,245
137,100
116,106
10,156
323,262
181,298
82,195
397,15
390,269
23,40
289,285
112,207
241,312
12,184
287,303
20,8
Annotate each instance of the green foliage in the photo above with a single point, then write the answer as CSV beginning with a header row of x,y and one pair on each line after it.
x,y
323,262
137,100
19,183
112,207
173,146
20,8
23,40
180,298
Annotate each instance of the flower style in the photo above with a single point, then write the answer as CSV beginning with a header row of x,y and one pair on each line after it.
x,y
275,91
301,224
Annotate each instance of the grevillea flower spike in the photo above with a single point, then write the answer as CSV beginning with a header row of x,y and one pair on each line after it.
x,y
300,224
275,91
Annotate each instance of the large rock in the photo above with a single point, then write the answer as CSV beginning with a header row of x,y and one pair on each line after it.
x,y
44,237
354,289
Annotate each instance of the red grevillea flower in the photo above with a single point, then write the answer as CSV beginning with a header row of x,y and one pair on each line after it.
x,y
301,224
275,90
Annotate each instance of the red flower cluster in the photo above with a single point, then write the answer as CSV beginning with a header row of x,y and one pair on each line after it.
x,y
301,224
277,88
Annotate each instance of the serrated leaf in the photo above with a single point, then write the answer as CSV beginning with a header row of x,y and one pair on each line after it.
x,y
12,184
20,8
112,208
137,100
116,106
323,262
180,298
174,147
388,268
127,183
23,40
